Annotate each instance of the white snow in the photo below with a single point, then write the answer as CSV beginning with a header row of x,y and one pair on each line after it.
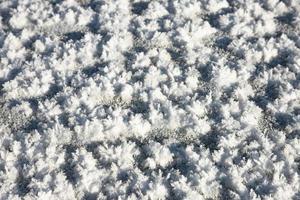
x,y
141,99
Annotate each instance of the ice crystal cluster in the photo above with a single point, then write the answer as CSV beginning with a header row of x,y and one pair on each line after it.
x,y
150,99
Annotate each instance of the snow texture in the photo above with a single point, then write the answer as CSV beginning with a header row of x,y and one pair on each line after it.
x,y
140,99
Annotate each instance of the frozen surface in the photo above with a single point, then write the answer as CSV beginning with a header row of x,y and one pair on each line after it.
x,y
162,99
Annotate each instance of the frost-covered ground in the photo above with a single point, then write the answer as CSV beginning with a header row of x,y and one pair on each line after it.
x,y
161,99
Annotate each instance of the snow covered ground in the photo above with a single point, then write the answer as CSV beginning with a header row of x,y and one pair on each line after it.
x,y
140,99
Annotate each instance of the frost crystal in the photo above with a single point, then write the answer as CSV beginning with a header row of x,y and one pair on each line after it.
x,y
141,99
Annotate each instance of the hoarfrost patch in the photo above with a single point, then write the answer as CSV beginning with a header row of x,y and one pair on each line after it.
x,y
192,99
